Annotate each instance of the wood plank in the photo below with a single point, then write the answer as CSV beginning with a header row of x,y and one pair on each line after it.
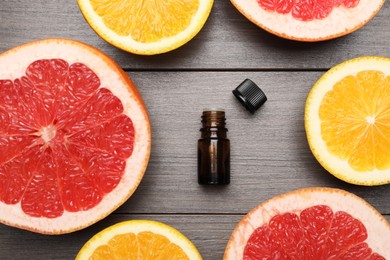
x,y
269,151
227,41
209,233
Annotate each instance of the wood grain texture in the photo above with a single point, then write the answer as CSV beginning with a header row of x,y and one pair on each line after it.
x,y
269,150
270,154
227,41
209,233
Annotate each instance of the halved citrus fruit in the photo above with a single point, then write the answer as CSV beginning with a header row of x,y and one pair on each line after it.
x,y
347,121
74,136
309,20
311,223
146,27
139,239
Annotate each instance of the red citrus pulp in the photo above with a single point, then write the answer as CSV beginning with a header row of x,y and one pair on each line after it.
x,y
313,223
309,20
74,136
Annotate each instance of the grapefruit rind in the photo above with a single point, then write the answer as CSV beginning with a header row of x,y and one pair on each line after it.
x,y
378,229
333,164
13,64
341,20
126,43
137,226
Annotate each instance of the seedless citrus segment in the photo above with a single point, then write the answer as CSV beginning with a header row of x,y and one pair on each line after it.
x,y
311,223
146,21
79,148
139,239
309,21
146,27
347,121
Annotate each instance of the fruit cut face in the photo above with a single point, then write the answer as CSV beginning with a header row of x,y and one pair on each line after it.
x,y
317,233
355,120
146,21
64,139
309,20
144,245
306,10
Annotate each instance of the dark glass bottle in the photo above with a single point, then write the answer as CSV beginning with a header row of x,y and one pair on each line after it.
x,y
213,149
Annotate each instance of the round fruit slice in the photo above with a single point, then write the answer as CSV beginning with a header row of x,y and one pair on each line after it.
x,y
146,27
347,121
139,239
74,136
309,20
311,223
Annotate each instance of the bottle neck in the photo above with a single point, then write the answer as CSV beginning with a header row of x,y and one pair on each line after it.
x,y
213,124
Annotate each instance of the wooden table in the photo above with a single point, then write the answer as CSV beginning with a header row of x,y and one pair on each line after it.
x,y
269,154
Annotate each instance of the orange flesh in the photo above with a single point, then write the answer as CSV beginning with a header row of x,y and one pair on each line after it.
x,y
144,245
148,20
355,120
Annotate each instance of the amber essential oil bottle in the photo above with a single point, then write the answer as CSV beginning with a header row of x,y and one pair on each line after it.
x,y
213,149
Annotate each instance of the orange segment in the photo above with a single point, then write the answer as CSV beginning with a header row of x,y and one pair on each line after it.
x,y
146,27
139,239
133,17
347,121
355,117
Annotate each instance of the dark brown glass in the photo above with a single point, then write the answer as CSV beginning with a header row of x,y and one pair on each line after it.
x,y
213,149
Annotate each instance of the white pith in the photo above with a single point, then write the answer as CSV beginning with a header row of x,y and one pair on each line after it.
x,y
341,21
138,226
378,229
338,167
13,65
128,44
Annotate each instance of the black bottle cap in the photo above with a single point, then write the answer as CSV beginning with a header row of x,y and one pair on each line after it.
x,y
250,95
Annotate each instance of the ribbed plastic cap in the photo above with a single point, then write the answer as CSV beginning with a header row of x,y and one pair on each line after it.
x,y
250,95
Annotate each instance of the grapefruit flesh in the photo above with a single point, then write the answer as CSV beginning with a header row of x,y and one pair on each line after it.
x,y
312,223
309,20
306,10
67,140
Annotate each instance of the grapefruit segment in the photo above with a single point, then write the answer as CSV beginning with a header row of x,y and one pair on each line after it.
x,y
75,140
309,20
311,223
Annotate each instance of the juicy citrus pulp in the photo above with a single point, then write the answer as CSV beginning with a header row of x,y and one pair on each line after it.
x,y
317,233
139,239
306,10
74,136
146,27
311,223
309,20
347,120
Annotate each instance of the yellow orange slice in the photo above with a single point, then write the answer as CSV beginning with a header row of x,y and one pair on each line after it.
x,y
139,239
347,121
146,27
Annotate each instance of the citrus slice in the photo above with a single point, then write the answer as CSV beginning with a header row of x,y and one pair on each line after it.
x,y
309,20
139,239
347,121
311,223
74,136
146,27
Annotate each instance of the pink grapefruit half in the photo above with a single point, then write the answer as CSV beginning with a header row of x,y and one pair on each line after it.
x,y
311,223
75,136
309,20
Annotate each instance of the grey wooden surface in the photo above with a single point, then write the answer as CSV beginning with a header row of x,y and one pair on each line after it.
x,y
270,154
